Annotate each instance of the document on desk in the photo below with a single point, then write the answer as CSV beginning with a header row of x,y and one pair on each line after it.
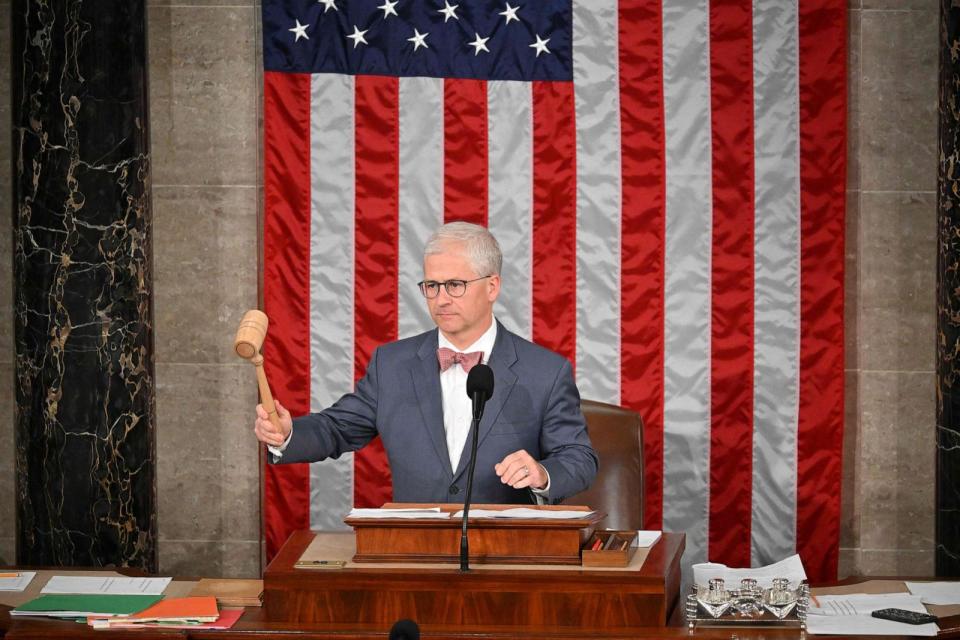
x,y
790,568
83,605
106,585
523,513
943,593
850,614
15,580
430,512
646,538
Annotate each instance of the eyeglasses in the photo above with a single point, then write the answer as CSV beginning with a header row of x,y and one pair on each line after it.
x,y
455,288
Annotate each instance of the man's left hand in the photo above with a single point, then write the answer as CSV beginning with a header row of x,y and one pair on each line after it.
x,y
520,471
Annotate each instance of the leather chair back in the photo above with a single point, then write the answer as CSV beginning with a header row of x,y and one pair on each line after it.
x,y
617,437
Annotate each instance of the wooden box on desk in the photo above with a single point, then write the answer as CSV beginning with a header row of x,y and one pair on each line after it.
x,y
492,540
613,549
511,598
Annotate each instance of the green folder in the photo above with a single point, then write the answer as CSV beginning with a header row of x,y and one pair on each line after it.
x,y
80,606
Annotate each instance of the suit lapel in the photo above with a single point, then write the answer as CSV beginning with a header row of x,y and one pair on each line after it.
x,y
426,381
501,360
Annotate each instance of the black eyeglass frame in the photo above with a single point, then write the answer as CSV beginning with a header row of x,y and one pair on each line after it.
x,y
422,285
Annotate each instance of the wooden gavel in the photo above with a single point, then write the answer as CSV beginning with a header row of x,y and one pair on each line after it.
x,y
250,336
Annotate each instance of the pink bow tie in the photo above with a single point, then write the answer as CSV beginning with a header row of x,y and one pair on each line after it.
x,y
449,357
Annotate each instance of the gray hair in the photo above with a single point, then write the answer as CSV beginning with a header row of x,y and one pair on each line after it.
x,y
482,249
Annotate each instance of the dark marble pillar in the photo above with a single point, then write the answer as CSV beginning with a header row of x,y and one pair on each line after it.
x,y
948,297
82,284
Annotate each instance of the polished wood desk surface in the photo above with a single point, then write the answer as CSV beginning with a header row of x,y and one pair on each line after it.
x,y
253,625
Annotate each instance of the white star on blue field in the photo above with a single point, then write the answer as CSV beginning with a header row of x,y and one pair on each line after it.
x,y
481,39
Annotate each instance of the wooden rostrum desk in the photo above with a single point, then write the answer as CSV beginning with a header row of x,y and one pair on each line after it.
x,y
524,574
518,598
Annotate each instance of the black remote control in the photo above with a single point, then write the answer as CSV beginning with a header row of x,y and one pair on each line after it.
x,y
902,615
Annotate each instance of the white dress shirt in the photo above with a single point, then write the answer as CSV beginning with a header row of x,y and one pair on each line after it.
x,y
457,406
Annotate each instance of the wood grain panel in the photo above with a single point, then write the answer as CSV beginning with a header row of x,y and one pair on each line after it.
x,y
587,600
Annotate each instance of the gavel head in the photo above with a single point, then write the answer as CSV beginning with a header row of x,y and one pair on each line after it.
x,y
251,333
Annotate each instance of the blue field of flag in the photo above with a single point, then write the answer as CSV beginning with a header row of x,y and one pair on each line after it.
x,y
486,40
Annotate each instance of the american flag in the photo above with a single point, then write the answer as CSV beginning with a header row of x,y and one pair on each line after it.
x,y
666,179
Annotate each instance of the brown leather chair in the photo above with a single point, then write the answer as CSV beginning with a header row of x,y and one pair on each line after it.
x,y
617,437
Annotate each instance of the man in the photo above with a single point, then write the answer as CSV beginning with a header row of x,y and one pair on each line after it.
x,y
532,437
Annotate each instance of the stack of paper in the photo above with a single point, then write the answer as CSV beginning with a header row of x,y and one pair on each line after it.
x,y
429,512
850,615
15,580
227,618
790,568
523,513
231,592
171,612
84,605
109,584
938,593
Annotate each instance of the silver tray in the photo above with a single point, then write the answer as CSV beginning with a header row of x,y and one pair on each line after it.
x,y
782,605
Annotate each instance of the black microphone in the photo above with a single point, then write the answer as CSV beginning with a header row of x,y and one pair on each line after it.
x,y
480,389
405,630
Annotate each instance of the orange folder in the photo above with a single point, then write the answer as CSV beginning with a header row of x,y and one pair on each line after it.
x,y
202,609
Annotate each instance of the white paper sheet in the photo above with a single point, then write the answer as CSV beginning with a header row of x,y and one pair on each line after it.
x,y
18,583
111,585
433,512
790,568
936,592
646,538
850,614
523,513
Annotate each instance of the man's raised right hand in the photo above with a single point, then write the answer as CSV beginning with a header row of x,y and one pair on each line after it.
x,y
266,432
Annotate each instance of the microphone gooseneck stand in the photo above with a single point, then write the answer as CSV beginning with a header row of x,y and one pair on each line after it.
x,y
464,544
479,389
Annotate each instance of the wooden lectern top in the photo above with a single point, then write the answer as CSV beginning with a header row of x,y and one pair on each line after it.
x,y
340,547
590,517
492,540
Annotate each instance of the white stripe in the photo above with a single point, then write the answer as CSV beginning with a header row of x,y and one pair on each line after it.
x,y
331,281
421,192
596,92
510,218
777,289
686,376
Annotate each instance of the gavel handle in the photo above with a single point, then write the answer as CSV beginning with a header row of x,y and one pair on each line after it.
x,y
266,398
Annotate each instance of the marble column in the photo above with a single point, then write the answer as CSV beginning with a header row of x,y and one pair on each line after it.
x,y
948,297
83,362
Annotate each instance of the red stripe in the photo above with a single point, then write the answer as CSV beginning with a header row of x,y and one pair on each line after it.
x,y
377,262
731,359
286,286
554,218
823,144
465,164
642,231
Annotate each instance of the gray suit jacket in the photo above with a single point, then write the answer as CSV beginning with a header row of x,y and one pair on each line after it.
x,y
535,406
